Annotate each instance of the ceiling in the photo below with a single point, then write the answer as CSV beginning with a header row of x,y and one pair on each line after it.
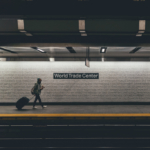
x,y
53,25
74,32
76,52
74,8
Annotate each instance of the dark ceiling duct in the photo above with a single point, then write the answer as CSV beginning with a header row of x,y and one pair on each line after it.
x,y
71,50
7,50
135,50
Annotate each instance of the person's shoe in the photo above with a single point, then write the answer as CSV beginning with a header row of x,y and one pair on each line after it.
x,y
44,106
34,107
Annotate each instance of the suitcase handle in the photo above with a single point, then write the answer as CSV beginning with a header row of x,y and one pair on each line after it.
x,y
31,98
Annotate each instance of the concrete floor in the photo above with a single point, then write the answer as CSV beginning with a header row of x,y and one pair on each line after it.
x,y
55,109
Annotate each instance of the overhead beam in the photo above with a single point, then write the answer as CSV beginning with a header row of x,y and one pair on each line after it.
x,y
7,50
76,55
135,49
74,41
71,50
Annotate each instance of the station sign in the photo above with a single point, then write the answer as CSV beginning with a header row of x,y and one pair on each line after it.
x,y
76,76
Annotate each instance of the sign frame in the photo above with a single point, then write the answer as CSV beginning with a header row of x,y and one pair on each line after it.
x,y
75,75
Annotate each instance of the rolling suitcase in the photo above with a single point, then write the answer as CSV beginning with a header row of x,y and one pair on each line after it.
x,y
22,102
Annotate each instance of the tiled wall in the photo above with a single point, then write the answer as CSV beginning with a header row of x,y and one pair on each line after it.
x,y
118,81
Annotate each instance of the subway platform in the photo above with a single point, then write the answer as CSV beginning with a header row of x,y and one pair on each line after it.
x,y
76,114
75,127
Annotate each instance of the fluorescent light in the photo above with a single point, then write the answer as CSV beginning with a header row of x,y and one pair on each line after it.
x,y
40,50
82,28
142,27
20,24
142,24
103,49
21,27
81,25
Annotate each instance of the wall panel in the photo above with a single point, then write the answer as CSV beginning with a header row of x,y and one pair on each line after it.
x,y
118,81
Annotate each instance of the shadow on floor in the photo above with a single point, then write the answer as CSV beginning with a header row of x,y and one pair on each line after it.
x,y
23,109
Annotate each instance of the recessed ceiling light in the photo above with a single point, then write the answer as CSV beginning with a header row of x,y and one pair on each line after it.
x,y
103,49
38,49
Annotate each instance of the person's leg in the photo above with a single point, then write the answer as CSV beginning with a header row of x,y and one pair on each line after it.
x,y
36,97
40,100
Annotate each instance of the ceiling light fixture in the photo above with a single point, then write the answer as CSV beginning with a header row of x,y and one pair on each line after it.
x,y
103,49
142,27
21,27
38,49
82,28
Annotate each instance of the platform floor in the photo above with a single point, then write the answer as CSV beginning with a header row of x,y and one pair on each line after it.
x,y
78,109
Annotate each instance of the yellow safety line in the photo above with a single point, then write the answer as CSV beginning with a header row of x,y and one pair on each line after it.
x,y
75,115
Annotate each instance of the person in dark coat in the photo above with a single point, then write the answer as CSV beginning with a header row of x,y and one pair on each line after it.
x,y
37,91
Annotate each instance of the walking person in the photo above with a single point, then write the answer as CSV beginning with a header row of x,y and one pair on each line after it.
x,y
37,91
